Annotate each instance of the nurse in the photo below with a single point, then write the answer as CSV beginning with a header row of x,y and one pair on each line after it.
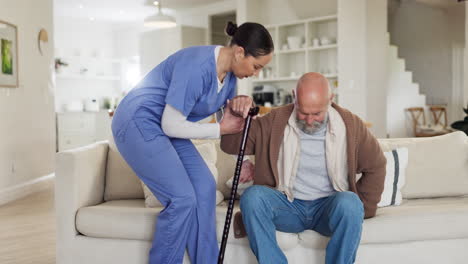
x,y
154,123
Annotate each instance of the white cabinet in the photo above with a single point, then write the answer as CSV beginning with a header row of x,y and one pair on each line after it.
x,y
81,128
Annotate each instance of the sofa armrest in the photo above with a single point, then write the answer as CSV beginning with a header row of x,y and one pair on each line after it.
x,y
79,182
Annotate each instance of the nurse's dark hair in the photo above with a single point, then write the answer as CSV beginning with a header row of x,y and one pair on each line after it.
x,y
253,37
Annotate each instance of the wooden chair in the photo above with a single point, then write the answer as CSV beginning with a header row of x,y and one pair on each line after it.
x,y
439,112
420,129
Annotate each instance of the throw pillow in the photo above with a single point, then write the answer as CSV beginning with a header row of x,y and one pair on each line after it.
x,y
207,150
241,187
397,161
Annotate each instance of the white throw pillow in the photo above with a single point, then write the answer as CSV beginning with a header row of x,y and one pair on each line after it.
x,y
207,150
240,187
437,166
397,161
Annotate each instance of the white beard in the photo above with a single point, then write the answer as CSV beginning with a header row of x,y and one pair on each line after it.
x,y
316,126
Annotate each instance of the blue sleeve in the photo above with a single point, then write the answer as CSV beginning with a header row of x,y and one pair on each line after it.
x,y
186,86
233,92
232,86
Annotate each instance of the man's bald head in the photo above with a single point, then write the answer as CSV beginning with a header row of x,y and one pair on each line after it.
x,y
314,87
312,99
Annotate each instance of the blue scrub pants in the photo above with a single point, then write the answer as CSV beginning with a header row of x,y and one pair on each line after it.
x,y
178,176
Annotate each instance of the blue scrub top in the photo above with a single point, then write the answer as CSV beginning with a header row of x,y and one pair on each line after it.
x,y
186,80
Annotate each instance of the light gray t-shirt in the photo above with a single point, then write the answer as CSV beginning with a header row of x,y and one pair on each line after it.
x,y
312,181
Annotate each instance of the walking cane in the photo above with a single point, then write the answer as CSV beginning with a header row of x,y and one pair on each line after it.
x,y
227,224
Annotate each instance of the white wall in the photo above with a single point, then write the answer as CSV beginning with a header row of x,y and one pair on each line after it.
x,y
377,70
27,127
457,29
199,16
456,21
127,48
465,84
126,39
279,11
423,35
362,53
352,46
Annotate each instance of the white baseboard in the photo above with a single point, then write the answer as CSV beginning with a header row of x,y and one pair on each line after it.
x,y
22,190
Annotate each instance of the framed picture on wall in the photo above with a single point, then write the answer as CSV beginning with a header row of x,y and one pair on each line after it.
x,y
8,55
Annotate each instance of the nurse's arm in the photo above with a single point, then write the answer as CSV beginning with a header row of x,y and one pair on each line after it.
x,y
175,124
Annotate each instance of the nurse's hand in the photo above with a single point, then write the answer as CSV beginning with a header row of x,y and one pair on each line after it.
x,y
241,104
231,124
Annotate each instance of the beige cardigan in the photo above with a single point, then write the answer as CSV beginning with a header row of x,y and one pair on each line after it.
x,y
363,155
335,153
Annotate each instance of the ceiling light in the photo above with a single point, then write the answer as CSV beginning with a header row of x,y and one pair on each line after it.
x,y
81,6
160,20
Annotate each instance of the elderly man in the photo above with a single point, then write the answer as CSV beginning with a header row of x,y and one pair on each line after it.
x,y
307,155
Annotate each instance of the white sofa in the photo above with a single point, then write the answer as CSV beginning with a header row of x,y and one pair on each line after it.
x,y
102,218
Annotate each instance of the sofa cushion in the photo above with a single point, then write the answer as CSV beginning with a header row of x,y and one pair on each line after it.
x,y
437,166
121,219
226,165
121,181
413,220
130,219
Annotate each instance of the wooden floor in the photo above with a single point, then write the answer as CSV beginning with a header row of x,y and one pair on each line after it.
x,y
27,230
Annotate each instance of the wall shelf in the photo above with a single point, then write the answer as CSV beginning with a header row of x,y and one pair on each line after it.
x,y
282,79
290,79
93,68
323,47
291,51
294,62
88,77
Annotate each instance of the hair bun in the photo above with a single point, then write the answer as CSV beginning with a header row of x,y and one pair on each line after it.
x,y
231,28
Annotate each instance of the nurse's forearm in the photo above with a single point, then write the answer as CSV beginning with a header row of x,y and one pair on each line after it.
x,y
175,124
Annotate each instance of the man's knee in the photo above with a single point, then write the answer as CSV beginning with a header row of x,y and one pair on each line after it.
x,y
348,204
253,197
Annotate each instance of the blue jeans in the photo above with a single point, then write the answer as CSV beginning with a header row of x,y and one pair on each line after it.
x,y
265,210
